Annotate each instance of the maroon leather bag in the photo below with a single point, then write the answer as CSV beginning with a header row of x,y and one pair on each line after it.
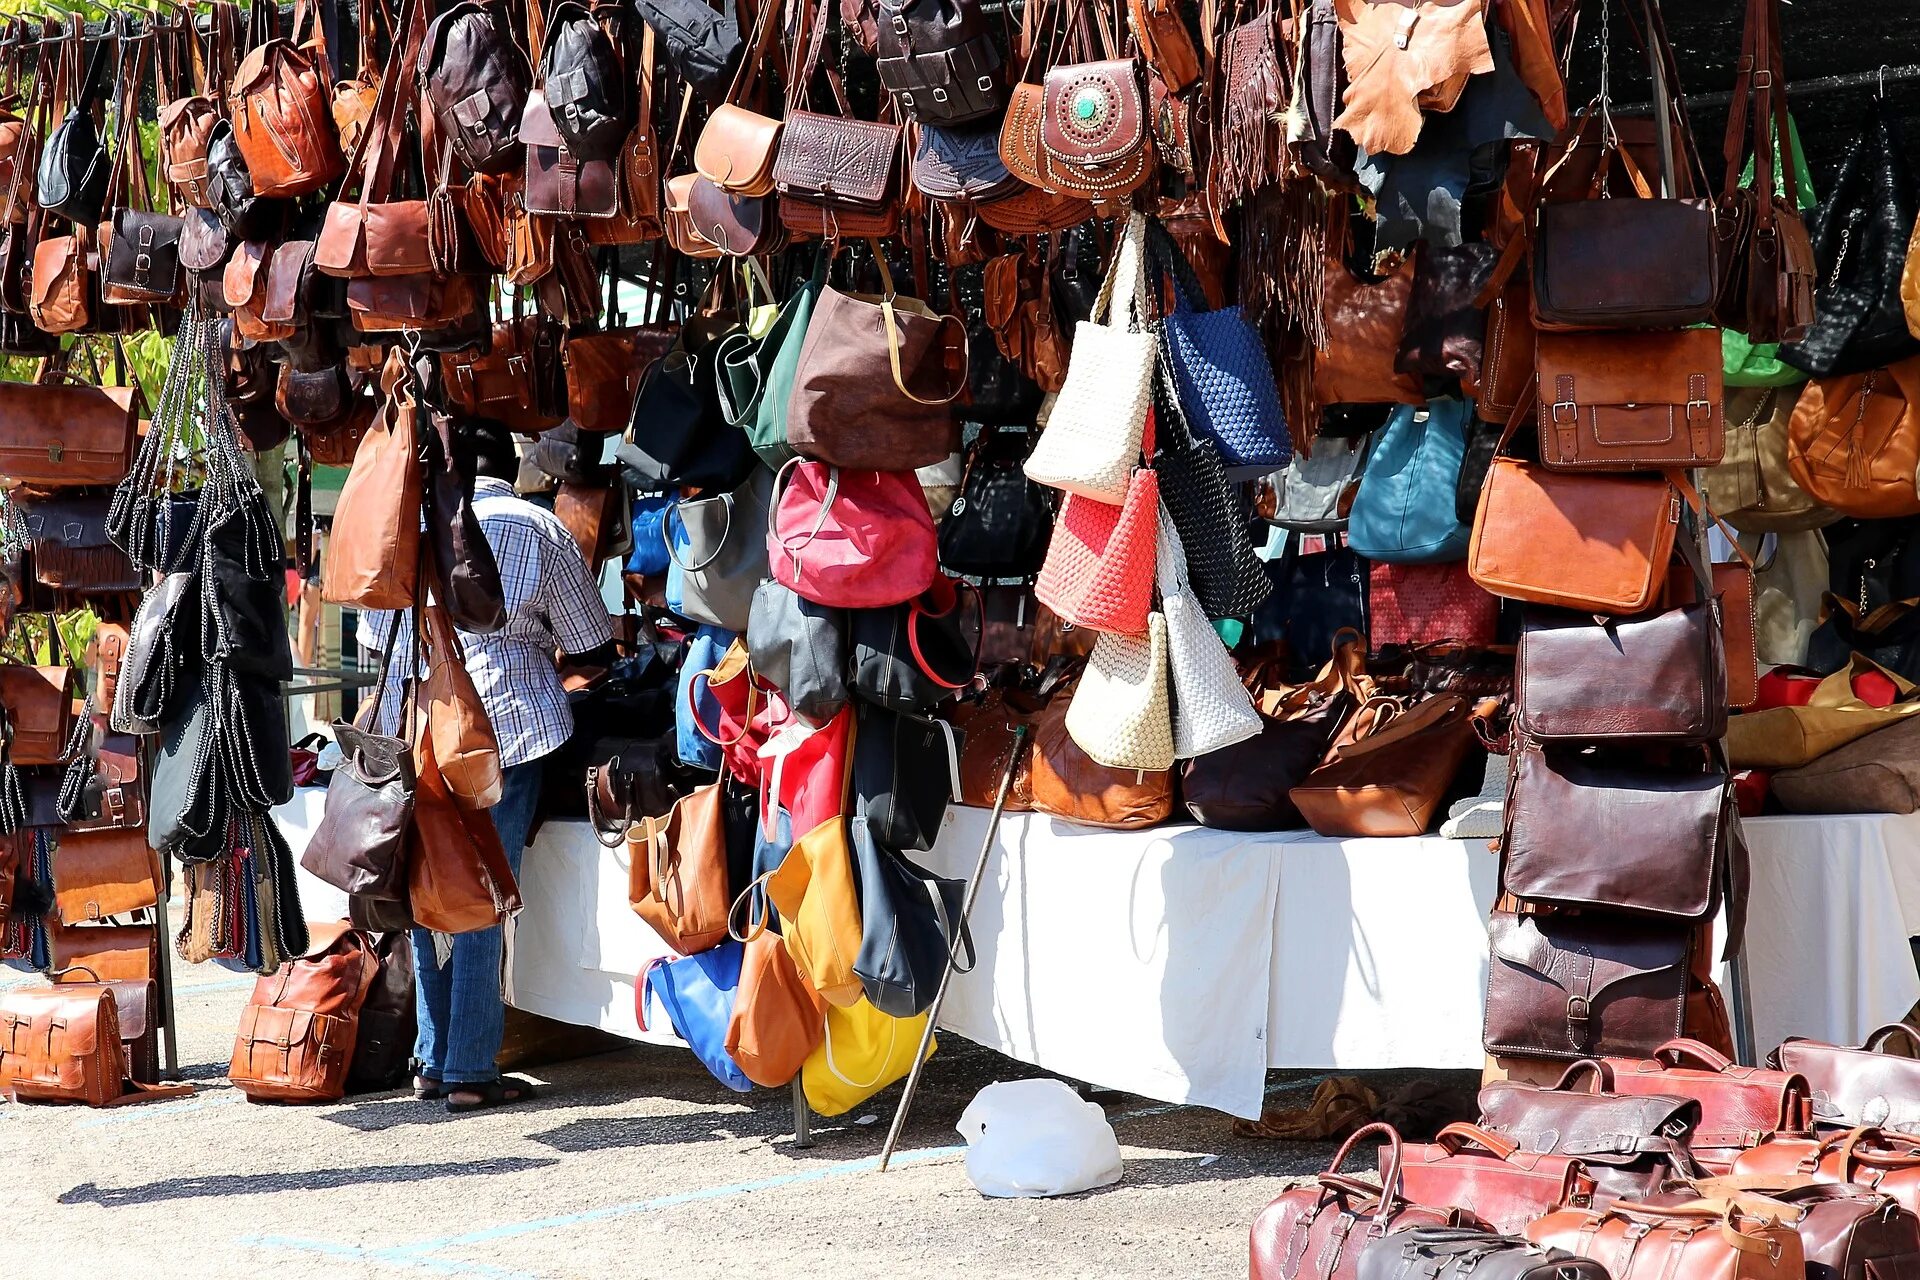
x,y
1854,1087
1630,1146
1317,1231
1740,1107
1660,676
1491,1177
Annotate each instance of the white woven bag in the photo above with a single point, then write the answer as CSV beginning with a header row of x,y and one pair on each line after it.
x,y
1121,714
1092,438
1211,708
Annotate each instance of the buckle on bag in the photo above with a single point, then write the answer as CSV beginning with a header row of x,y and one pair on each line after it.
x,y
1572,415
1704,408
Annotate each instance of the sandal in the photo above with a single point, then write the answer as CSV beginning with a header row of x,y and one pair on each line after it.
x,y
501,1091
426,1090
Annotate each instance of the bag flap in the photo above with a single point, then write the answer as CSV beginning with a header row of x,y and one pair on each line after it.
x,y
286,276
397,238
1603,1128
836,159
1095,112
97,874
134,1002
1583,958
736,145
203,240
77,524
340,238
243,276
53,258
1627,368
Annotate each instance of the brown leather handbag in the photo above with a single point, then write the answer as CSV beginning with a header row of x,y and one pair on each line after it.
x,y
62,289
1630,1146
296,1034
1630,401
1642,1242
136,997
1095,137
677,871
1854,441
278,103
833,168
1863,1086
1739,1106
1067,783
1491,1178
1364,322
1317,1231
1732,585
738,146
1570,986
373,553
1659,676
458,876
466,753
1389,778
97,874
1506,353
186,123
517,380
1246,786
777,1020
55,432
603,374
1846,1231
38,702
1878,1159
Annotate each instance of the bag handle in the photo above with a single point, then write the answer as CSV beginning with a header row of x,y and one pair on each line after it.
x,y
1602,1076
1680,1051
1456,1137
1389,1189
693,709
726,531
893,336
915,612
1878,1041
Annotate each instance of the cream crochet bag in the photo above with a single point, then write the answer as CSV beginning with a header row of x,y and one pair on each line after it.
x,y
1211,708
1121,714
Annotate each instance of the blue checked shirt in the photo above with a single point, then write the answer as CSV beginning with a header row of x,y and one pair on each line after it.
x,y
553,604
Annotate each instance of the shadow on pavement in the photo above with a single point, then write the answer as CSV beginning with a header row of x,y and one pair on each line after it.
x,y
247,1184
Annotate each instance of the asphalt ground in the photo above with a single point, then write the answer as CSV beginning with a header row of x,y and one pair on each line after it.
x,y
633,1163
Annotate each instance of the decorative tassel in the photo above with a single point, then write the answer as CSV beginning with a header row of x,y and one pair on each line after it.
x,y
1252,135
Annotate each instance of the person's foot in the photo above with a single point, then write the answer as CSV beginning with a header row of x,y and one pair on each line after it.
x,y
427,1089
501,1091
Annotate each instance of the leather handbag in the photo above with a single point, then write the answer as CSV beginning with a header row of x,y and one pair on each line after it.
x,y
938,61
602,372
1099,567
1877,1159
519,380
1491,1178
724,554
911,927
1855,1087
475,79
1314,492
1094,436
1001,523
1322,1229
63,296
1573,986
98,874
1669,831
58,433
1629,402
1643,1242
1739,1106
1403,512
1787,737
777,1018
1364,321
835,171
62,1044
1852,435
675,437
466,753
1412,605
372,559
1570,671
830,527
458,876
296,1035
678,872
558,182
874,379
584,79
360,845
1446,325
71,176
38,707
1844,1230
1470,1254
1630,1145
906,770
861,1052
962,163
1752,488
280,108
1095,140
1067,783
1390,779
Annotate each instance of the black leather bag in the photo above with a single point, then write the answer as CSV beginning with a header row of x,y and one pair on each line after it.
x,y
938,60
246,615
1860,235
230,188
74,168
1000,524
800,648
585,85
1890,635
476,79
909,924
143,260
569,454
906,771
1314,596
1463,1253
913,656
699,42
383,1046
1873,562
678,436
466,576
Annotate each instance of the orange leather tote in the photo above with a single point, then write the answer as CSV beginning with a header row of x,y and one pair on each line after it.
x,y
373,553
297,1032
458,877
777,1018
464,745
677,875
1854,441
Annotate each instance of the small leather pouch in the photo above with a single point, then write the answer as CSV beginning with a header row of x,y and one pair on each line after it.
x,y
740,225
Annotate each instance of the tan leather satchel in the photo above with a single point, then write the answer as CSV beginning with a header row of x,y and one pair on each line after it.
x,y
737,146
282,119
1854,442
677,874
62,1044
1630,401
61,284
57,431
297,1031
373,553
97,874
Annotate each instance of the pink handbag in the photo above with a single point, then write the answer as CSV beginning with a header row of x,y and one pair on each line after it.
x,y
1099,568
853,539
1415,604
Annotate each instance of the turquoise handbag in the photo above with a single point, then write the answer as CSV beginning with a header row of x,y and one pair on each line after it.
x,y
775,358
1404,511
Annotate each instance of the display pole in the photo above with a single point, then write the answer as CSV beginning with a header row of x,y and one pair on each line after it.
x,y
1020,736
802,1117
170,1033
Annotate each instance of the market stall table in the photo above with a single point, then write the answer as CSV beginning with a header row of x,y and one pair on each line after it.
x,y
1180,963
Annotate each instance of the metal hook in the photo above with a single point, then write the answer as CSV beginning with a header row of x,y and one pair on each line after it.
x,y
1882,77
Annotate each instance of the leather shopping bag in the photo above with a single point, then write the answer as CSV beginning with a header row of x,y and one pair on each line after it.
x,y
1067,783
1487,1175
861,1052
1854,441
1573,986
1591,542
815,891
777,1018
851,539
1319,1230
1788,737
97,874
677,872
373,552
1644,1242
1652,677
1630,1145
1740,1107
725,553
1403,511
699,993
361,843
1099,568
466,753
1390,782
458,876
1854,1087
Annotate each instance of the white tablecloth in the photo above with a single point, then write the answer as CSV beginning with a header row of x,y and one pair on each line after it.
x,y
1180,963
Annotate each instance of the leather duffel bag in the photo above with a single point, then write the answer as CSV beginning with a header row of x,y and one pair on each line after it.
x,y
1879,1159
1692,1242
1739,1106
1846,1232
1854,1087
1491,1178
1467,1253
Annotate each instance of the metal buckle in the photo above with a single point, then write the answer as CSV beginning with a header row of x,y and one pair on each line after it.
x,y
899,24
939,95
1578,1009
1705,407
984,84
1572,417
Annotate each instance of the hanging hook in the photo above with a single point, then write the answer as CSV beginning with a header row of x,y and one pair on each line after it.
x,y
1882,75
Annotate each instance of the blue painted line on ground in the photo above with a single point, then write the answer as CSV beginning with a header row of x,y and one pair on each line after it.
x,y
346,1253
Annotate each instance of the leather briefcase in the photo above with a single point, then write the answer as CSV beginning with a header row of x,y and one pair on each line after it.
x,y
1739,1106
64,434
1491,1178
1598,543
1637,1242
1630,401
97,874
1629,1146
1571,986
1319,1230
1877,1159
1467,1253
1659,677
1864,1086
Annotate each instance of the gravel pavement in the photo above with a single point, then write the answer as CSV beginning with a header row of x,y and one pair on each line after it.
x,y
634,1163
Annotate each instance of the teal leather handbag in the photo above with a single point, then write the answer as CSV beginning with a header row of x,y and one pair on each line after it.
x,y
1404,511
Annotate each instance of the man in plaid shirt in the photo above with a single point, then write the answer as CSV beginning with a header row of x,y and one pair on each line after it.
x,y
553,607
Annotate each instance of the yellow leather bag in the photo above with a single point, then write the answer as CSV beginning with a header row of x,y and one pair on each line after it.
x,y
813,889
862,1052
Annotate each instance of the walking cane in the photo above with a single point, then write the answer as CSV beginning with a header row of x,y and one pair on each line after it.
x,y
1020,736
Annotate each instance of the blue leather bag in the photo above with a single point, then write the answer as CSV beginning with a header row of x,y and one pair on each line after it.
x,y
697,992
649,556
1225,379
1404,511
705,647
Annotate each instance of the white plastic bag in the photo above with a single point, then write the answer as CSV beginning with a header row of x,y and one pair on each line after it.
x,y
1037,1138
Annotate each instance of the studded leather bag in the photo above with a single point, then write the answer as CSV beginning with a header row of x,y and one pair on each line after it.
x,y
1094,135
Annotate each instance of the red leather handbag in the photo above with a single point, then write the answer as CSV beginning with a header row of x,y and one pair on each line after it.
x,y
1416,604
852,539
1491,1178
1098,572
1740,1107
809,779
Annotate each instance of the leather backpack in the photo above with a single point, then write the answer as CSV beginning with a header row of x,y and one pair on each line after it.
x,y
297,1033
476,80
939,61
187,123
585,79
700,43
280,106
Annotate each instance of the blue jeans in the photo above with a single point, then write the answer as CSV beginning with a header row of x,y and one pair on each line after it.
x,y
462,1017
